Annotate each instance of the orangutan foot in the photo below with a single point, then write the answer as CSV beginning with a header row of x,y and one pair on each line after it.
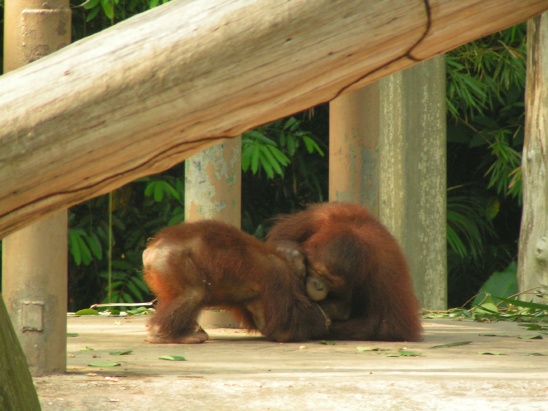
x,y
196,336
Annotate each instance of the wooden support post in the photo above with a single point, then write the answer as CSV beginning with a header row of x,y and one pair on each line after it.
x,y
34,263
533,241
387,151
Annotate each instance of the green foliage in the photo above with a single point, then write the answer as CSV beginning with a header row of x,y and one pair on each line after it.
x,y
92,16
138,210
485,91
159,189
284,168
505,171
538,309
128,285
486,73
451,344
117,10
172,358
260,151
84,246
87,311
534,316
502,283
485,88
271,147
467,225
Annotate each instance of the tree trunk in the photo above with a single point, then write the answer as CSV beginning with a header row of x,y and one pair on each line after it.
x,y
533,241
16,387
147,93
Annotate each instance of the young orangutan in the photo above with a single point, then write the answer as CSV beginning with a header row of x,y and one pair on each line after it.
x,y
356,270
208,263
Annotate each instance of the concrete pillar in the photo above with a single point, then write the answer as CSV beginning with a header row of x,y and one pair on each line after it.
x,y
353,147
34,266
213,185
34,29
34,287
388,152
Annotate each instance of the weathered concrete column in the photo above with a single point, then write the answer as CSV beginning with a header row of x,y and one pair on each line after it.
x,y
213,185
533,240
388,152
354,134
34,266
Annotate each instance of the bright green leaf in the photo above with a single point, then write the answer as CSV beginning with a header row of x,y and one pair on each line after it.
x,y
406,353
452,344
530,337
172,358
104,364
126,352
91,4
486,308
87,311
255,159
108,8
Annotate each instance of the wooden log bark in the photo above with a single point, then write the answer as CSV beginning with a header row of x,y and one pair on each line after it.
x,y
145,94
17,390
533,240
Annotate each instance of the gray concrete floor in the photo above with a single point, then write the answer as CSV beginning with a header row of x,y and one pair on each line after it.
x,y
237,371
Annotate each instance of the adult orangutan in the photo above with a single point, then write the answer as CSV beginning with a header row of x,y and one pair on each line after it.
x,y
208,263
356,270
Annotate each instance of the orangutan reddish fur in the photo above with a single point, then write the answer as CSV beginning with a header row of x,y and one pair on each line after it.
x,y
208,263
363,266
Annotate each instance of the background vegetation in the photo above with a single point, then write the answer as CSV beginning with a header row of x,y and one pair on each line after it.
x,y
285,167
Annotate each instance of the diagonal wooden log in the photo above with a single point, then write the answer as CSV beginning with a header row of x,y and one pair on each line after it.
x,y
145,94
